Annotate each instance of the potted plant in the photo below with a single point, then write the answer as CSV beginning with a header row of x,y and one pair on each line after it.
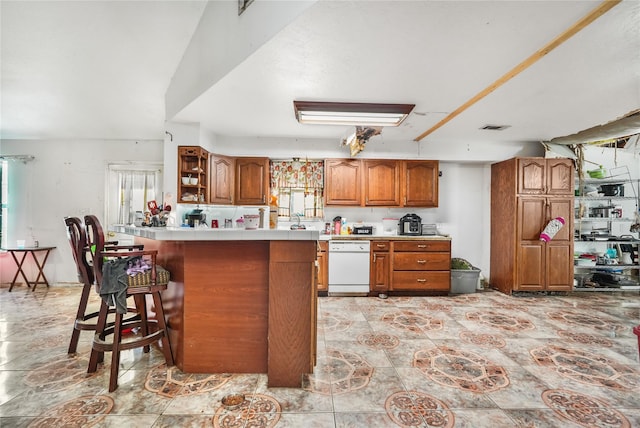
x,y
464,276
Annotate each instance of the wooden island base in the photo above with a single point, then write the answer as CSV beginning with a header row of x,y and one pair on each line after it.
x,y
241,306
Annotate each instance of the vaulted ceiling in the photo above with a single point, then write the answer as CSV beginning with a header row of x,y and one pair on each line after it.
x,y
101,69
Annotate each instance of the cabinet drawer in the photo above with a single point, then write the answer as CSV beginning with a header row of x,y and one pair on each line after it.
x,y
380,245
425,280
422,246
421,261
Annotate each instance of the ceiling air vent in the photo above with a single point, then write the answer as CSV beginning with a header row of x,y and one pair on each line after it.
x,y
495,127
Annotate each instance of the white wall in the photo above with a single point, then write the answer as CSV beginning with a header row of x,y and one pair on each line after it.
x,y
67,178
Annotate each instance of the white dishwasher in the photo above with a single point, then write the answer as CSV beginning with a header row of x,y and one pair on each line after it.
x,y
349,268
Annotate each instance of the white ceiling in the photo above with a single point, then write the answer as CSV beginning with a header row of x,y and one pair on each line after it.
x,y
101,69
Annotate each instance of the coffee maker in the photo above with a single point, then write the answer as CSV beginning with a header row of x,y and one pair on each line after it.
x,y
195,217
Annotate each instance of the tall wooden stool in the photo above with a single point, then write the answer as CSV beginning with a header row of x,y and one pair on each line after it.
x,y
77,235
149,283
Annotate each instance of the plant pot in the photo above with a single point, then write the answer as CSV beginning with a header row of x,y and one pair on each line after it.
x,y
464,281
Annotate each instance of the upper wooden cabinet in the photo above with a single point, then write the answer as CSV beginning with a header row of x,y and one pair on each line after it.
x,y
221,173
251,181
193,168
420,183
381,182
342,182
540,176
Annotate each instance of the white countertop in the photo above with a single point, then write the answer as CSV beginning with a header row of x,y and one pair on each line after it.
x,y
208,234
324,237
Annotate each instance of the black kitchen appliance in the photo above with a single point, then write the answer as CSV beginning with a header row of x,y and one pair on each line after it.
x,y
194,215
363,230
410,224
612,189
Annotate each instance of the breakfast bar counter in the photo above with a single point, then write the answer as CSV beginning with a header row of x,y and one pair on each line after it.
x,y
239,301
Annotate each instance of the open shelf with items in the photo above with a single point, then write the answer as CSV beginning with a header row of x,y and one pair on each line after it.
x,y
606,239
193,169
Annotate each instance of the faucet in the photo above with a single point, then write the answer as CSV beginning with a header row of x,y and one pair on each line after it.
x,y
298,226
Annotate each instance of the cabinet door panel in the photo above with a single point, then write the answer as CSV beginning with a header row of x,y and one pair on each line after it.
x,y
323,271
560,177
222,179
342,184
531,176
420,184
532,218
379,273
382,182
252,181
530,266
562,207
559,266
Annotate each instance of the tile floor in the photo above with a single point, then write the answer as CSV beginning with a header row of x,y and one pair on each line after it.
x,y
475,360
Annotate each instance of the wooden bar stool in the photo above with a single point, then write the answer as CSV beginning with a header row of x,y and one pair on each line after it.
x,y
77,235
143,284
78,241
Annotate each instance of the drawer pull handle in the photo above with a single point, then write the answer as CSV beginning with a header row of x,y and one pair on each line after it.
x,y
421,261
421,280
380,245
422,246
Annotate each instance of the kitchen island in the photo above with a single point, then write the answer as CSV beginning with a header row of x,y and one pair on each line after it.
x,y
239,301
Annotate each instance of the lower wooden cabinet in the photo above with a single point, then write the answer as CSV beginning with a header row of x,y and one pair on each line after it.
x,y
323,266
421,266
379,277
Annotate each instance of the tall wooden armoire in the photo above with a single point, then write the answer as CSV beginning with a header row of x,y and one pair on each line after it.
x,y
527,193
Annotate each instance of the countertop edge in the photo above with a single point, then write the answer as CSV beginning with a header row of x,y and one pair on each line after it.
x,y
209,234
384,238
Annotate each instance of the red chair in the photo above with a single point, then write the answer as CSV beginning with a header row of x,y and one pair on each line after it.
x,y
150,283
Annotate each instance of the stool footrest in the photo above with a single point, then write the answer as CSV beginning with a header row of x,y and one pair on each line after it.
x,y
103,345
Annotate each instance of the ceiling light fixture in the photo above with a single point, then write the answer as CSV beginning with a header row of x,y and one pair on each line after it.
x,y
366,114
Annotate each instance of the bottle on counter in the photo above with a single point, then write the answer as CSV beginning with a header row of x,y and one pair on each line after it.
x,y
273,212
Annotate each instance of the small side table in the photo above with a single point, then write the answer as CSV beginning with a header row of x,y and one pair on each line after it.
x,y
40,279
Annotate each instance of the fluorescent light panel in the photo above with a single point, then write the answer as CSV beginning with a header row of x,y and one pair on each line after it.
x,y
330,113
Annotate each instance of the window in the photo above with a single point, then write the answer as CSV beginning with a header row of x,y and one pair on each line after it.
x,y
130,187
298,186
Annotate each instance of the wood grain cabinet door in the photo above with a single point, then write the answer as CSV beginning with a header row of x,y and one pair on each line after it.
x,y
531,176
380,271
420,183
530,266
560,177
251,181
222,179
559,258
323,266
539,176
381,182
343,182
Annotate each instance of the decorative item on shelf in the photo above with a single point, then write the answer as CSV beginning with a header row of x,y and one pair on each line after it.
x,y
597,173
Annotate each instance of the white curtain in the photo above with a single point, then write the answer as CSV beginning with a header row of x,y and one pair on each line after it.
x,y
131,187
